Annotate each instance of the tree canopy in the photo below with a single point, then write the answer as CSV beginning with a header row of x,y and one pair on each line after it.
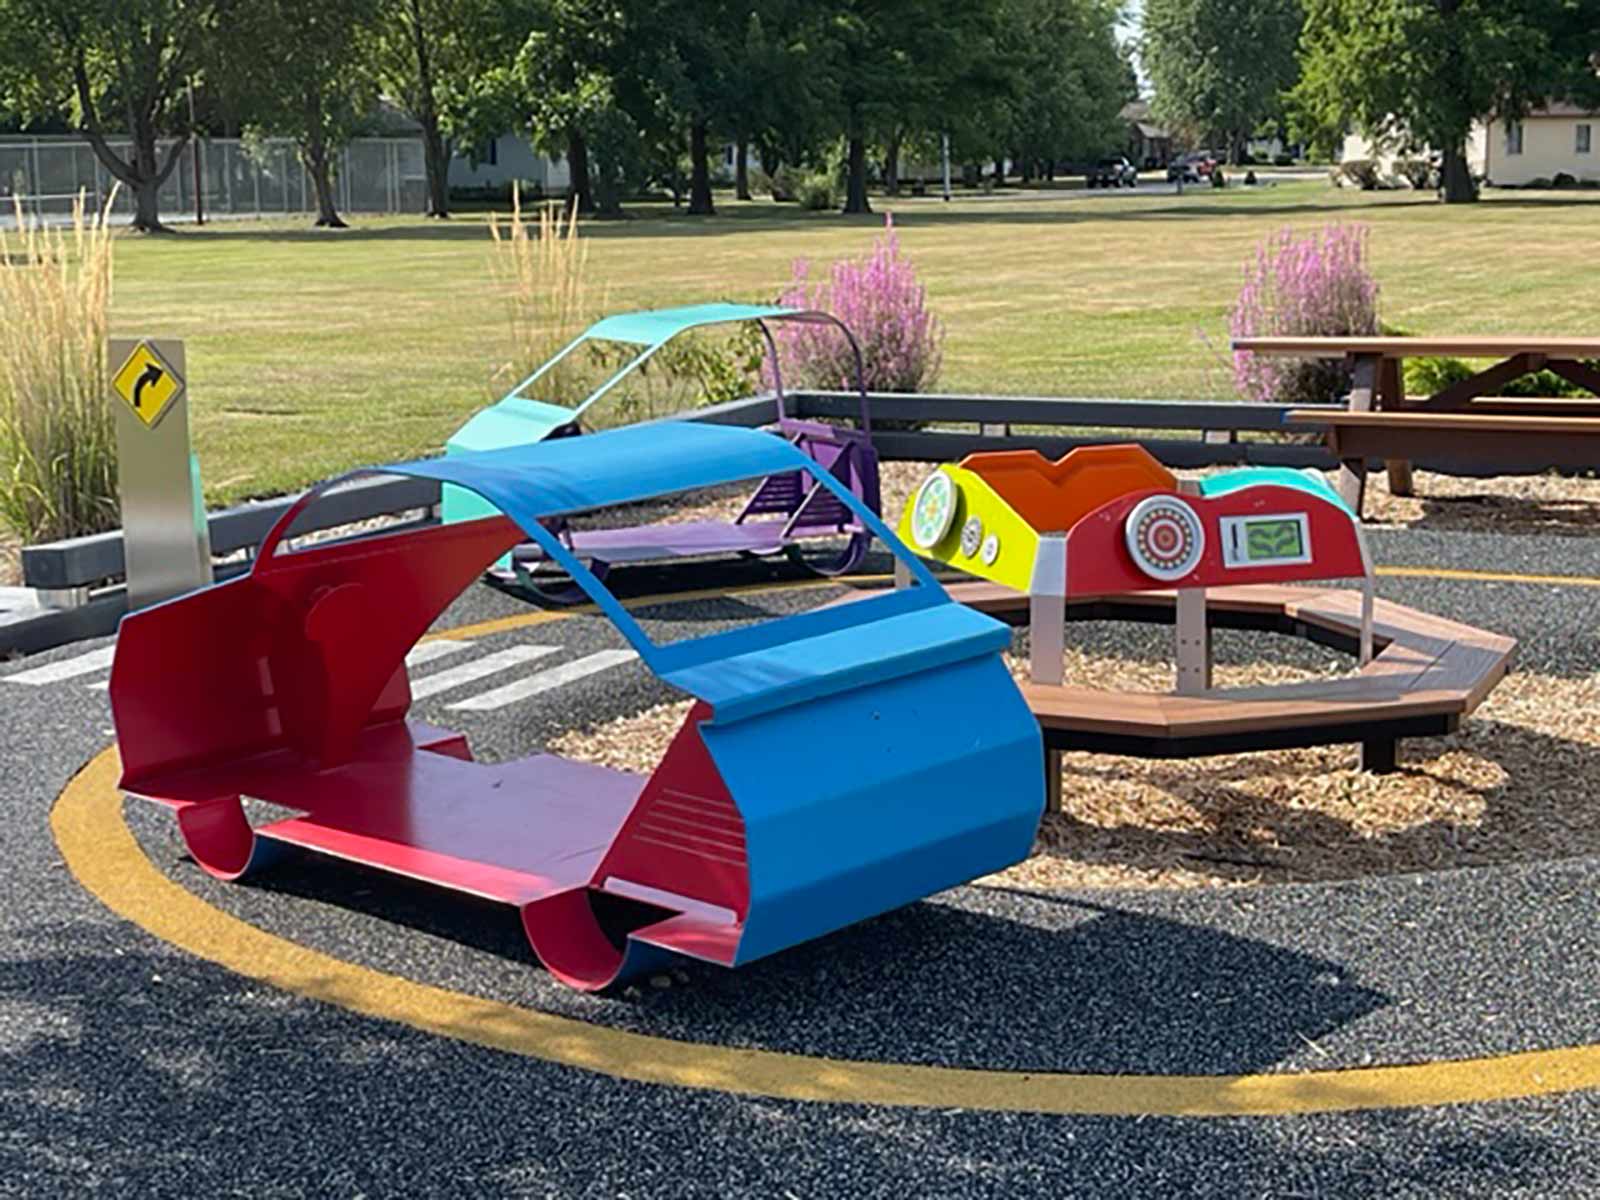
x,y
1219,66
111,67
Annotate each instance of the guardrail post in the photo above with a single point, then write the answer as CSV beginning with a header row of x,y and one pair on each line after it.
x,y
166,538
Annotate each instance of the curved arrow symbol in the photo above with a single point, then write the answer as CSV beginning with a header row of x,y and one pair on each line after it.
x,y
152,376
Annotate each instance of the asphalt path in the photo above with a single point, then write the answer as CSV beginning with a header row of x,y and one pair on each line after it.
x,y
128,1066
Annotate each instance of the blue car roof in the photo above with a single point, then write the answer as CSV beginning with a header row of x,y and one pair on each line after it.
x,y
636,462
745,671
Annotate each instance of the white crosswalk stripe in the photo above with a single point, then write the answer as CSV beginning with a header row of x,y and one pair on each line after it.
x,y
67,668
544,681
478,668
426,652
428,684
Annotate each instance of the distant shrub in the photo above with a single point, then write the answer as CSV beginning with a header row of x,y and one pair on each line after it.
x,y
1283,160
1564,180
691,371
818,192
1539,183
758,180
1418,172
1358,172
1305,285
1425,376
880,300
785,184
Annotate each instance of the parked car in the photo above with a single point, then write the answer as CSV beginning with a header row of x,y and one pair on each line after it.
x,y
1191,168
1115,171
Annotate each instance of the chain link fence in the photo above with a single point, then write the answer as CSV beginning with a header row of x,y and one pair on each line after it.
x,y
258,179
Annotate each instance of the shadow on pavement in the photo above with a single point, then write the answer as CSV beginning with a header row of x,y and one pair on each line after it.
x,y
978,979
130,1071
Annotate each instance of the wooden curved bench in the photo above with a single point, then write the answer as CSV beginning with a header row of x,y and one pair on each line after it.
x,y
1428,673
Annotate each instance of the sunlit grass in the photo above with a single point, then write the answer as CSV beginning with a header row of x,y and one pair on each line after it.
x,y
310,352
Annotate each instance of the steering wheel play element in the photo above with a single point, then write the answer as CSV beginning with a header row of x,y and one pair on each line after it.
x,y
932,511
1164,537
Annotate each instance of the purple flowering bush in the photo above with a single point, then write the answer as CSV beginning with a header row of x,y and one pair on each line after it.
x,y
880,300
1303,285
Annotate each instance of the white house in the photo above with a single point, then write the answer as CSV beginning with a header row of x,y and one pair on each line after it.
x,y
506,159
1558,139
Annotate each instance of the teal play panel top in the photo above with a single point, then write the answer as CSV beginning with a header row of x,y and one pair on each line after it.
x,y
1306,481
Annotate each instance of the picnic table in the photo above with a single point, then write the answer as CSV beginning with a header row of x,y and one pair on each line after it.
x,y
1464,421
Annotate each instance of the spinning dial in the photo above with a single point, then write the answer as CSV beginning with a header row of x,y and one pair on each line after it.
x,y
1165,537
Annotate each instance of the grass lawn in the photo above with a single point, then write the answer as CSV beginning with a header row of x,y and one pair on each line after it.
x,y
310,352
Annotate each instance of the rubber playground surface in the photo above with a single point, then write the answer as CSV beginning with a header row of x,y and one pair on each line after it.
x,y
324,1031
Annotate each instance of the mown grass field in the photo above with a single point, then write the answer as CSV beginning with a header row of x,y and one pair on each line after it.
x,y
310,352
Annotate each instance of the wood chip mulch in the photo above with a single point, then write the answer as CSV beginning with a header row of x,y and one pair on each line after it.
x,y
1520,782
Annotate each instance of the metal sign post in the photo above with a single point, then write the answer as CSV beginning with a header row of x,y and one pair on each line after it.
x,y
166,541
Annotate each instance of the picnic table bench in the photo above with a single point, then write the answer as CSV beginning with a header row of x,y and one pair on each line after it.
x,y
1464,421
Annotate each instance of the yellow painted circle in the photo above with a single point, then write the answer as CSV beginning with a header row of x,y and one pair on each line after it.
x,y
102,854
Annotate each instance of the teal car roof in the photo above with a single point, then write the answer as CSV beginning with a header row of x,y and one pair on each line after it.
x,y
653,327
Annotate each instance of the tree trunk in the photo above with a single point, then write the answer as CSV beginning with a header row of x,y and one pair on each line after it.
x,y
855,191
741,169
891,166
1456,184
435,152
436,162
141,174
314,157
579,188
699,173
145,175
147,208
999,170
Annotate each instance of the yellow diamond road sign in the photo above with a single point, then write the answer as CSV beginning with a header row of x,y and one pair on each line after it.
x,y
148,383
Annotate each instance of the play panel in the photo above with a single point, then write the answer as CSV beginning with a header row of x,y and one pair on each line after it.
x,y
1107,531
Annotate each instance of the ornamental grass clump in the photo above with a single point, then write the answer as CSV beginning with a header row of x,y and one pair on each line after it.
x,y
1315,284
58,444
541,264
880,300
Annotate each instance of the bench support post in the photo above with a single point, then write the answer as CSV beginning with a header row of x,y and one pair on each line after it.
x,y
1047,611
1391,395
1193,642
1379,757
1353,471
1052,780
1047,635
